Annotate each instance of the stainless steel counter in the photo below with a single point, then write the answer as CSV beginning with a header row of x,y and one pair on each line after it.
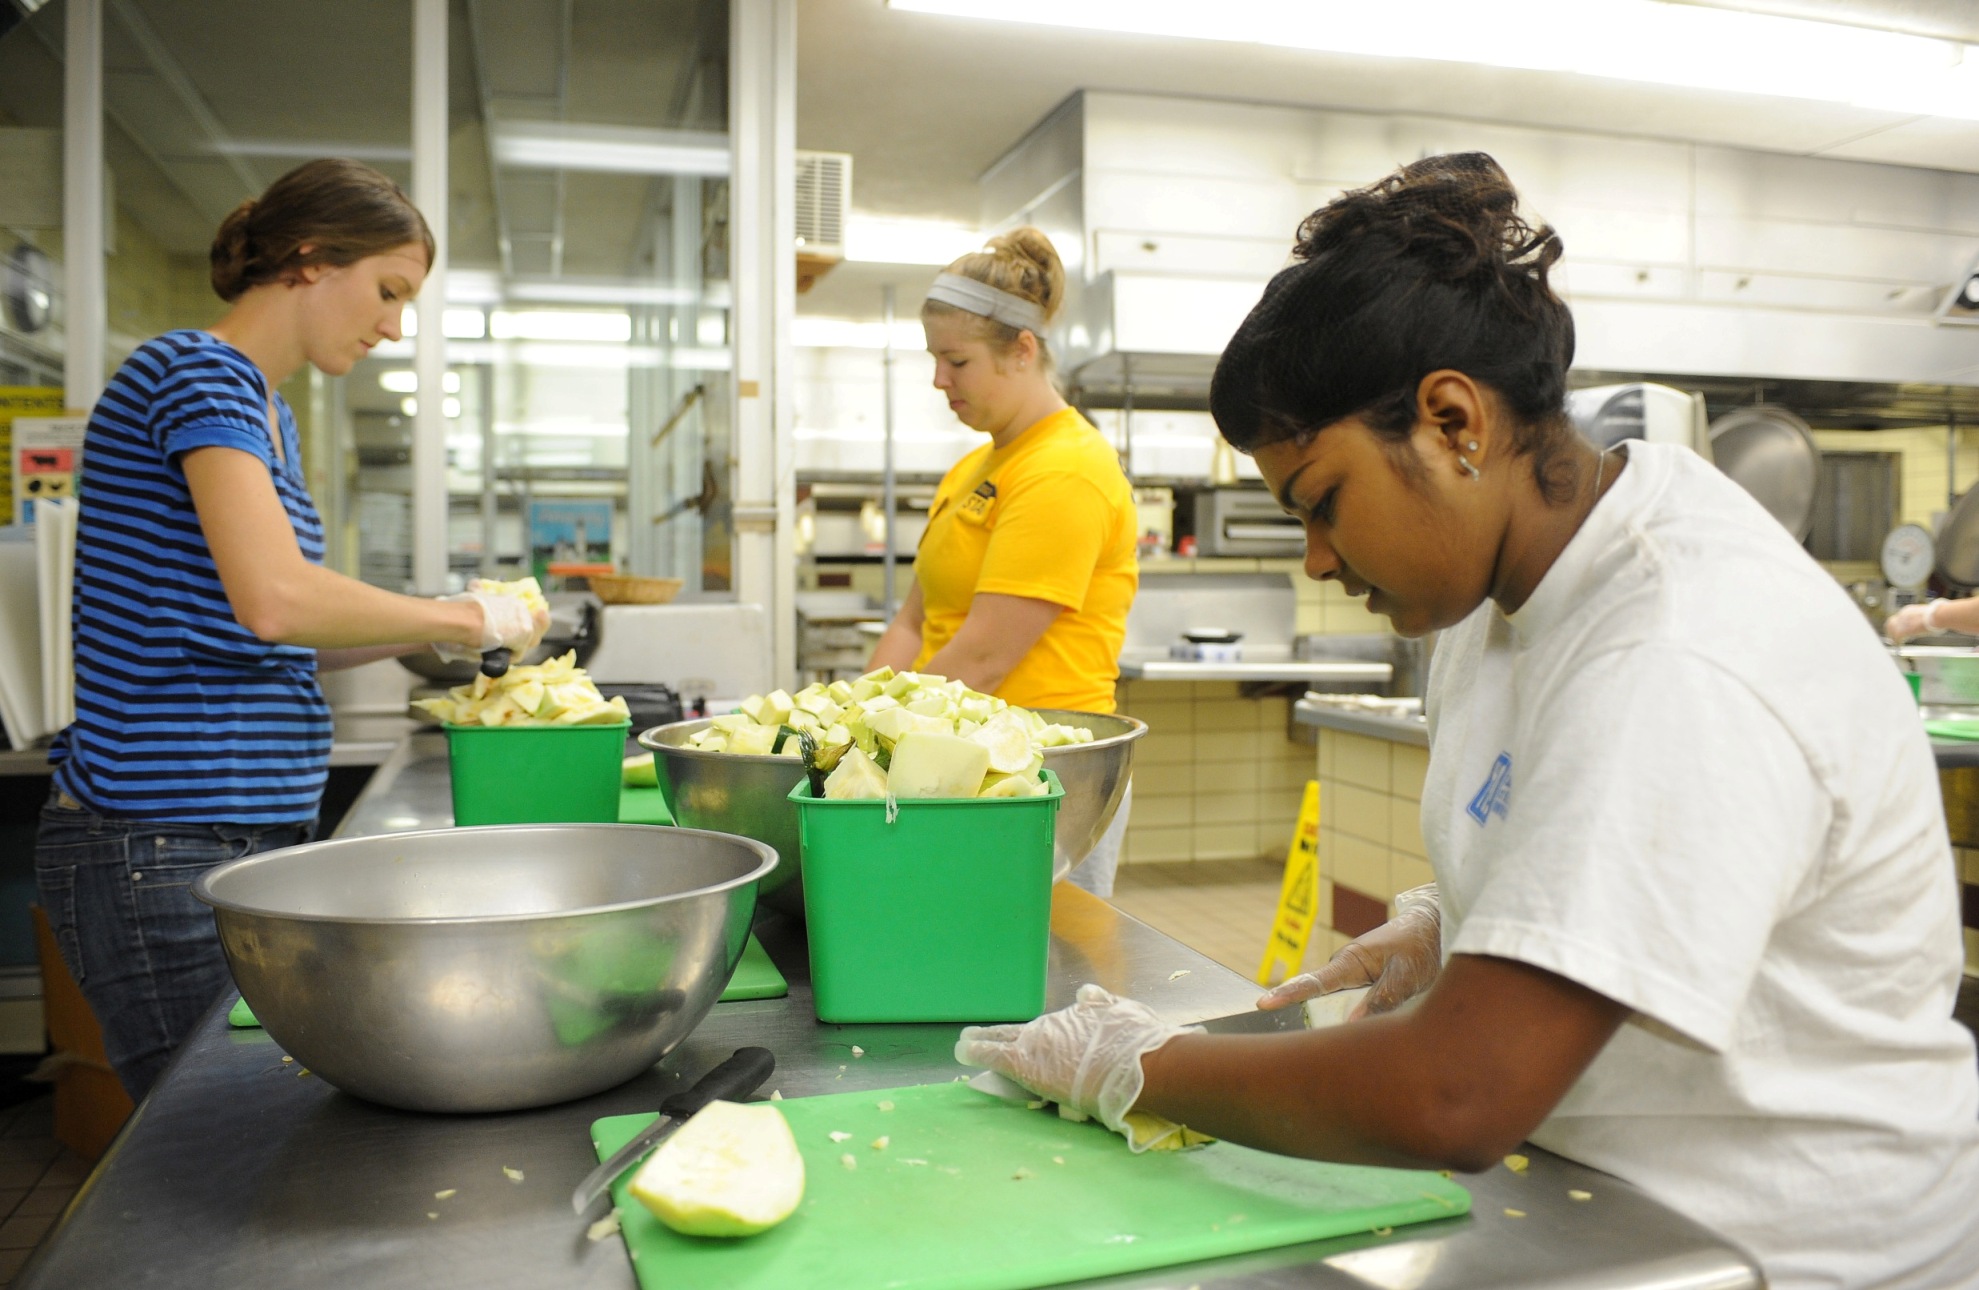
x,y
1380,723
1317,672
237,1170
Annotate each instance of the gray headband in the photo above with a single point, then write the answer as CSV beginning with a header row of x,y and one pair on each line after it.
x,y
985,301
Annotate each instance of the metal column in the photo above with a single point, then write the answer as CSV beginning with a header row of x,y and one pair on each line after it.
x,y
763,269
886,461
429,352
85,307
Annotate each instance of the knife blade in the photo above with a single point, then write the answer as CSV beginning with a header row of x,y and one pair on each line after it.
x,y
733,1080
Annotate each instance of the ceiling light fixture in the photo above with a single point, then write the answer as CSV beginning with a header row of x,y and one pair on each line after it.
x,y
1652,41
882,239
626,150
810,332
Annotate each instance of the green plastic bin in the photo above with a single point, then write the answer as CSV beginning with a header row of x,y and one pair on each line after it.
x,y
536,774
942,915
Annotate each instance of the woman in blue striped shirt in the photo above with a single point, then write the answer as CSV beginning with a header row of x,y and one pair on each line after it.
x,y
203,612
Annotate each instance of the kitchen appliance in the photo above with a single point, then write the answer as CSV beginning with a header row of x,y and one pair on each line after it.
x,y
1209,645
737,793
1770,453
486,969
1048,1201
1609,414
1909,555
715,652
1245,522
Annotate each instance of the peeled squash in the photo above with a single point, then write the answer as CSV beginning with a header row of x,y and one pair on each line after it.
x,y
639,771
931,765
856,776
731,1170
552,693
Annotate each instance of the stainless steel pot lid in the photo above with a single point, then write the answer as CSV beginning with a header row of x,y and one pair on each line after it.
x,y
1770,452
1958,541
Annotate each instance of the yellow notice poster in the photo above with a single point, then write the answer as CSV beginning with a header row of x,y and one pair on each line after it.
x,y
1298,898
20,401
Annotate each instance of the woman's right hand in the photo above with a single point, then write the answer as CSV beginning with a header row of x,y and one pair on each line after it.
x,y
1399,960
1911,620
507,622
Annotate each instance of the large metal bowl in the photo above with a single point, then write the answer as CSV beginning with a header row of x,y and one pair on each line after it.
x,y
750,795
487,969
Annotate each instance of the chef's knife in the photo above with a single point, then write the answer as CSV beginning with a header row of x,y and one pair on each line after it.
x,y
731,1081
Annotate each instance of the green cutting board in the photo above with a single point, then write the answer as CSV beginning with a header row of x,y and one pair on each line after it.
x,y
972,1193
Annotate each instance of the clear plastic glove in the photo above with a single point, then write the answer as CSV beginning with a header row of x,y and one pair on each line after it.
x,y
1086,1058
1399,959
507,622
1912,620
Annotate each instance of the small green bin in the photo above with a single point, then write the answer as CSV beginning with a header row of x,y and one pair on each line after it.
x,y
536,774
942,915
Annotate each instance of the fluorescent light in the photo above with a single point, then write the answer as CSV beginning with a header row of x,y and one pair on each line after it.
x,y
628,150
403,380
306,149
457,324
849,333
409,406
881,239
1632,40
450,408
560,324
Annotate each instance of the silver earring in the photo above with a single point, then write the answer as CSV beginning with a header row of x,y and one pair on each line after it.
x,y
1465,463
1471,446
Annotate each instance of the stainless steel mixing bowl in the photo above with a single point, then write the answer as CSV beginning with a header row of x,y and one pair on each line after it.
x,y
487,969
749,795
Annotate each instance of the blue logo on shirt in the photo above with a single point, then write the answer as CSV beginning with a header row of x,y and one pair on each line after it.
x,y
1493,798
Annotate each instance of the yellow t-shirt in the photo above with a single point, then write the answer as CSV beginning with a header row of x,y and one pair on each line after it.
x,y
1051,517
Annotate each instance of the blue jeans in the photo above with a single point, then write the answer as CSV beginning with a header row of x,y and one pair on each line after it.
x,y
118,894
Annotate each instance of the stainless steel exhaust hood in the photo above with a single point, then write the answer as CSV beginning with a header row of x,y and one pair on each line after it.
x,y
1683,260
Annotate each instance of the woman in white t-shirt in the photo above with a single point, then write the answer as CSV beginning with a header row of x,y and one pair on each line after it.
x,y
1698,921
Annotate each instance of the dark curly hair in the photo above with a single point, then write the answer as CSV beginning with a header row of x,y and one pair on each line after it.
x,y
343,211
1432,267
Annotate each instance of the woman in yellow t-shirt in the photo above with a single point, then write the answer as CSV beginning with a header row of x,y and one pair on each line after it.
x,y
1026,572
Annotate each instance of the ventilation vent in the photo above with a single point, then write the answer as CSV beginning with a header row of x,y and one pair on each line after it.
x,y
824,200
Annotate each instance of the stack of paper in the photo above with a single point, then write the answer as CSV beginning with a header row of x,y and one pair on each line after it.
x,y
21,709
55,550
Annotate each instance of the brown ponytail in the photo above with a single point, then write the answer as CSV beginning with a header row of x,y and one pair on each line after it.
x,y
342,211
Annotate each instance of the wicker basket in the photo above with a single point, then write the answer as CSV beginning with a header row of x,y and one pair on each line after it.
x,y
632,589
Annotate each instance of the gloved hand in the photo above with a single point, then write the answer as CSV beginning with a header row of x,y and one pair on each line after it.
x,y
1399,959
1912,620
1086,1058
506,622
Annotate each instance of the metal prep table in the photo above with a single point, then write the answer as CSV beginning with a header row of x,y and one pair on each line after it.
x,y
239,1171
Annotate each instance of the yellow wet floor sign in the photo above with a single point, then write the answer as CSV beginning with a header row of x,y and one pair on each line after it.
x,y
1298,898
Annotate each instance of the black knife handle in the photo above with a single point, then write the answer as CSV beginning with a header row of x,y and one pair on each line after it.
x,y
731,1081
494,663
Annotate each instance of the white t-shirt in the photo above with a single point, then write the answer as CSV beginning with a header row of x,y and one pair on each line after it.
x,y
1685,775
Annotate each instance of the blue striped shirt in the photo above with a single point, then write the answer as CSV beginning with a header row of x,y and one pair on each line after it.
x,y
182,714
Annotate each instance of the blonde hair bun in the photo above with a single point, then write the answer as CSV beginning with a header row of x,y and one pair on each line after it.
x,y
1022,262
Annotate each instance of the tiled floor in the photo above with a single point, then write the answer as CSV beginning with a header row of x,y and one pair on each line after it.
x,y
38,1176
1221,908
